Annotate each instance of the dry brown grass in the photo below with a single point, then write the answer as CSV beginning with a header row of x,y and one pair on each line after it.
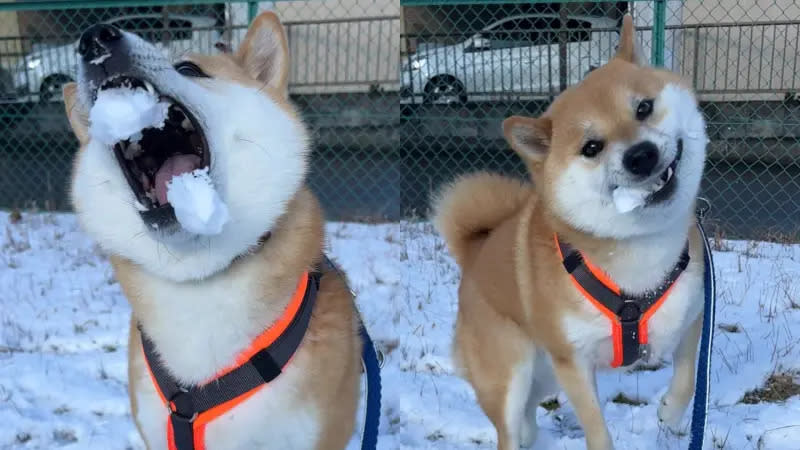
x,y
778,388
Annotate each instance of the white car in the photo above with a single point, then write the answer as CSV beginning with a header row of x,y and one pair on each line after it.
x,y
514,57
43,71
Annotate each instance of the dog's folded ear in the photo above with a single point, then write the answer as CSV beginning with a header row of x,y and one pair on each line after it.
x,y
629,48
76,113
264,52
528,136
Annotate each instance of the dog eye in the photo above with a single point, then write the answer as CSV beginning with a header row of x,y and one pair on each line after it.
x,y
644,109
592,148
190,69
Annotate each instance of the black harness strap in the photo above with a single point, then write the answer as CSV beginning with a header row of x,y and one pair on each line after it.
x,y
629,309
187,402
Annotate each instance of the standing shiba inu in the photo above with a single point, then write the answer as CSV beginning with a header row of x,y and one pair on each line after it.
x,y
206,305
599,265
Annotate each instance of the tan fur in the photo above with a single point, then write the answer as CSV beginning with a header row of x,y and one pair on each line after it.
x,y
514,293
466,231
327,363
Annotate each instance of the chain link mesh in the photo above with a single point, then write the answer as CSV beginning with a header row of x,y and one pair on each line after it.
x,y
402,96
466,67
343,78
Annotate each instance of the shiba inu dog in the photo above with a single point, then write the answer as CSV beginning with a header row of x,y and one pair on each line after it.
x,y
598,265
208,305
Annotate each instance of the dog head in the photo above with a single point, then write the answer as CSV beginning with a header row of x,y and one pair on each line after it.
x,y
620,154
228,112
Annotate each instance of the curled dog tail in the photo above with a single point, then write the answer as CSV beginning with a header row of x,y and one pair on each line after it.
x,y
467,210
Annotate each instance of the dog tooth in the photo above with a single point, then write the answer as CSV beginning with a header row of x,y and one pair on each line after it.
x,y
187,124
670,172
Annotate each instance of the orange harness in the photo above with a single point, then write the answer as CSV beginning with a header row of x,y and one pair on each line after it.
x,y
628,314
191,408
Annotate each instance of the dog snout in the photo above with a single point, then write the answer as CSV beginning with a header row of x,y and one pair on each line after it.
x,y
641,159
99,41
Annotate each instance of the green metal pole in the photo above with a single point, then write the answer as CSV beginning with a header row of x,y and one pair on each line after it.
x,y
659,32
252,11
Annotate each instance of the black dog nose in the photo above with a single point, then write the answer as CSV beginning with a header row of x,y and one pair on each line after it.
x,y
641,159
98,40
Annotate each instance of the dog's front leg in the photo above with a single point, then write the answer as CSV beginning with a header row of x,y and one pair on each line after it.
x,y
578,383
681,387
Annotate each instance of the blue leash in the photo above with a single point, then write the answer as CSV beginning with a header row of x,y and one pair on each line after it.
x,y
372,371
702,383
372,417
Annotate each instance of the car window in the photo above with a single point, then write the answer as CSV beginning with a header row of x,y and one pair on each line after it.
x,y
528,31
579,30
181,29
512,33
149,28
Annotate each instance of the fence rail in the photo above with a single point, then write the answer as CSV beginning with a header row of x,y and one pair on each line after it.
x,y
402,96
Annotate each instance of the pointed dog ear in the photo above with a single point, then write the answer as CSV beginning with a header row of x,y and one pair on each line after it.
x,y
629,48
264,53
78,117
528,136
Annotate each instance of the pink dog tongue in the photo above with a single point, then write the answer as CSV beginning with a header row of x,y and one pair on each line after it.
x,y
174,166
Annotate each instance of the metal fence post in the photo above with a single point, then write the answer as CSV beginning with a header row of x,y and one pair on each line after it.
x,y
252,11
659,32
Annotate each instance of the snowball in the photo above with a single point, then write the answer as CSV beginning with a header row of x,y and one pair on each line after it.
x,y
628,199
122,113
197,205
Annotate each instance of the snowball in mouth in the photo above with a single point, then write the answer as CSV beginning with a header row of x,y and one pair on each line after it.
x,y
123,112
197,205
628,199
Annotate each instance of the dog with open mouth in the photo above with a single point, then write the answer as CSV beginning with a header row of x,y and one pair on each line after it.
x,y
241,335
599,265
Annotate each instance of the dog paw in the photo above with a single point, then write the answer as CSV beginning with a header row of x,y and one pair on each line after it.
x,y
671,415
527,435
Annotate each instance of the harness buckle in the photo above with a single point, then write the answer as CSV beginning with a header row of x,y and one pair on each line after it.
x,y
630,312
181,407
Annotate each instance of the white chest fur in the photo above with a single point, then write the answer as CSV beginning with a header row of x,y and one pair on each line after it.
x,y
271,418
198,329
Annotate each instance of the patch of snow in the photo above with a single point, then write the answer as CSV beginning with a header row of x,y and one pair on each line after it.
x,y
628,199
122,113
64,326
197,204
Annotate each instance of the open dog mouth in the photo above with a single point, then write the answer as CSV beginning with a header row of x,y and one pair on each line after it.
x,y
664,186
151,158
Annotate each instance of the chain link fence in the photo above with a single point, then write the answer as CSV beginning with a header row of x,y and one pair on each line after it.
x,y
343,78
404,95
467,66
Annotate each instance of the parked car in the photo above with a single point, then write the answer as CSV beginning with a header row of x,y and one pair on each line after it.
x,y
515,56
43,71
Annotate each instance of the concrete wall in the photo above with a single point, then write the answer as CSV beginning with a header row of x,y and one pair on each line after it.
x,y
337,45
751,62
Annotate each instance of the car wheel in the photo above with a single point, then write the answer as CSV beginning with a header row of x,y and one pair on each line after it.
x,y
51,87
445,89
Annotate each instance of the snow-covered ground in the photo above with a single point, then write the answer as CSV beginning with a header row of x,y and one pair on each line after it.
x,y
63,327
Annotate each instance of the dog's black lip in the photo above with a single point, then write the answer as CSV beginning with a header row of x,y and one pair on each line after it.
x,y
118,80
668,189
